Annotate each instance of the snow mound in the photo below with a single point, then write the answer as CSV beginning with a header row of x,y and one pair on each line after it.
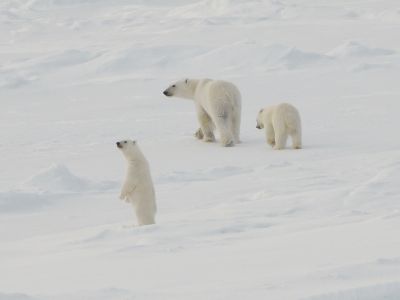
x,y
41,190
45,4
293,58
12,202
103,294
388,291
137,58
353,48
58,178
372,66
16,297
11,80
20,72
232,9
54,61
65,58
246,54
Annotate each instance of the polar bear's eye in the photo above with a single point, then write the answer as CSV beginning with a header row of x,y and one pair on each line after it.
x,y
124,142
174,85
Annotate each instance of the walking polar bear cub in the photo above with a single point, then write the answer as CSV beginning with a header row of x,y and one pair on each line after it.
x,y
218,105
280,121
138,187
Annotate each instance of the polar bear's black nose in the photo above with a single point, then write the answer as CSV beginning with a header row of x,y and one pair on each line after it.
x,y
165,93
118,144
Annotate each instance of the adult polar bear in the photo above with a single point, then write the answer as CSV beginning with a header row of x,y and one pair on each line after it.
x,y
218,105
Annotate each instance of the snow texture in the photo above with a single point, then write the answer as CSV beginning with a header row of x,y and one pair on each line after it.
x,y
247,222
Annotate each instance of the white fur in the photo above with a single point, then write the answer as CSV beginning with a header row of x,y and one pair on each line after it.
x,y
218,105
279,122
138,187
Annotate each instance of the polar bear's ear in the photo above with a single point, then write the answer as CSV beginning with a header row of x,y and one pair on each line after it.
x,y
186,81
261,110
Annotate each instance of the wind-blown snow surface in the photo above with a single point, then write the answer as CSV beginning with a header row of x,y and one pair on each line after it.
x,y
246,222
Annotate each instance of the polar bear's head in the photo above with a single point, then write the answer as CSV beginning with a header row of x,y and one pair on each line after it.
x,y
129,148
260,123
181,89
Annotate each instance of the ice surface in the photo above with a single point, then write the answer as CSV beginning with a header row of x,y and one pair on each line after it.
x,y
246,222
389,291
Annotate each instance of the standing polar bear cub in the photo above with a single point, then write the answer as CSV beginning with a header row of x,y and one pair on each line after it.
x,y
218,105
138,187
280,121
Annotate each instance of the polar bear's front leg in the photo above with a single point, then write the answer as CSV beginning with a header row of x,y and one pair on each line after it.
x,y
206,130
270,135
127,190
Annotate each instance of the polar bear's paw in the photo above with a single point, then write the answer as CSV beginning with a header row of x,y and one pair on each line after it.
x,y
278,147
124,197
209,139
227,143
271,143
206,138
199,134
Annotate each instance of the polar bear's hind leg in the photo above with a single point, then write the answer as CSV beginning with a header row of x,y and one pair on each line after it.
x,y
294,125
145,213
236,127
280,134
280,141
296,139
222,123
145,219
206,130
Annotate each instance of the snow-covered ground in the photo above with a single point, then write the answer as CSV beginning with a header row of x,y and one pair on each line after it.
x,y
245,222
